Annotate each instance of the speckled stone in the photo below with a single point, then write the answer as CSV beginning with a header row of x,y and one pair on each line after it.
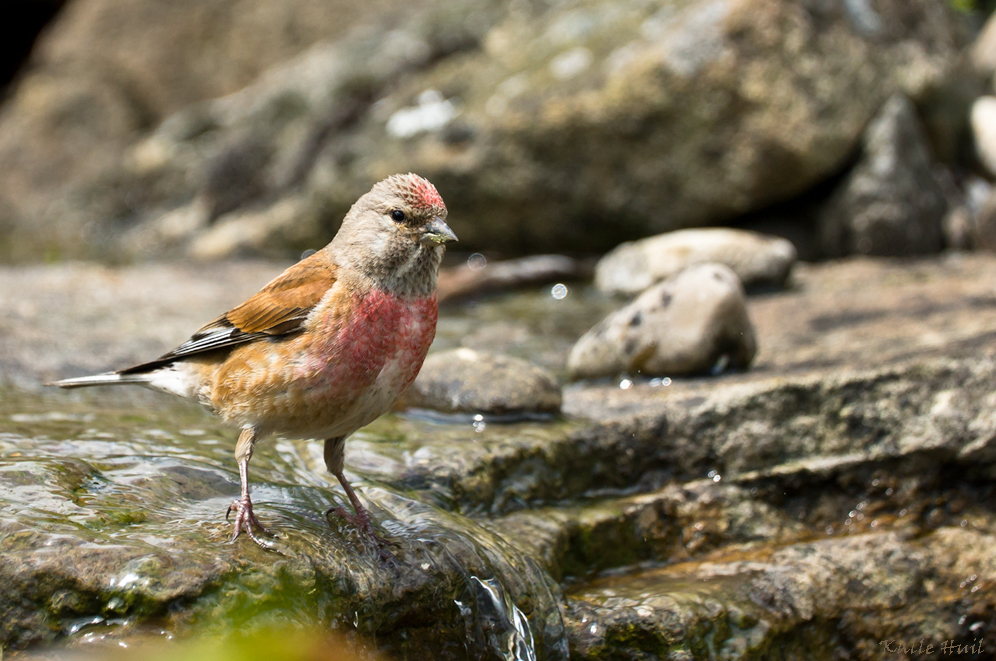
x,y
693,322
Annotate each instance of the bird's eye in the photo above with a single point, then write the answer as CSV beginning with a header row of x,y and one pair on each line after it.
x,y
397,215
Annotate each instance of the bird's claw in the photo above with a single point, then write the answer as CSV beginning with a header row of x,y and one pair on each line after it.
x,y
246,520
364,526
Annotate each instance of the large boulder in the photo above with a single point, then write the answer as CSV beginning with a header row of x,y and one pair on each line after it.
x,y
891,202
569,126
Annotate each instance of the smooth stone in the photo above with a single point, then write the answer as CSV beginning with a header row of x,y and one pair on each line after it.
x,y
755,258
694,322
891,202
468,381
982,52
983,120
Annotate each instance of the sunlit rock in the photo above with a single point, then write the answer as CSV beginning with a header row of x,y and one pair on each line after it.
x,y
755,258
694,322
468,381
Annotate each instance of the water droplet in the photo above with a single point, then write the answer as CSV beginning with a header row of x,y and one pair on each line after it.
x,y
625,384
964,522
717,478
666,381
477,262
888,492
874,524
478,417
655,383
559,291
829,530
308,253
852,514
711,474
902,512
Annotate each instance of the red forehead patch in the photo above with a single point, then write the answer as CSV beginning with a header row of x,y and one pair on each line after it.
x,y
423,194
418,193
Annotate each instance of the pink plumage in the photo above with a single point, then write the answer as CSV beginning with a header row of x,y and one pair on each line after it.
x,y
326,347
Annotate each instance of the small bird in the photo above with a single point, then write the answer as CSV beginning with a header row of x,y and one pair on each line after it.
x,y
325,348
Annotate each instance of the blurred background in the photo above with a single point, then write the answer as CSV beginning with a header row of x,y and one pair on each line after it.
x,y
136,129
713,378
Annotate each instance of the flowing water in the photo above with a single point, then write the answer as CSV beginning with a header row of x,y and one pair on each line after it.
x,y
116,500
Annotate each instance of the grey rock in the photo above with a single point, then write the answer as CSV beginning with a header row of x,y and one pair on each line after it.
x,y
983,120
983,225
546,127
982,52
800,600
891,202
468,381
694,322
756,259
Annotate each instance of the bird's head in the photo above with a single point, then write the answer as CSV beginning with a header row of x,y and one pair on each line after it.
x,y
395,234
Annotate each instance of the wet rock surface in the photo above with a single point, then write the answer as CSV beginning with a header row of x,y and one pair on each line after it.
x,y
694,322
890,203
468,381
545,127
757,260
836,495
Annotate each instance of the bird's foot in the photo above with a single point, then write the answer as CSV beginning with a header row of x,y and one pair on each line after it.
x,y
246,520
364,526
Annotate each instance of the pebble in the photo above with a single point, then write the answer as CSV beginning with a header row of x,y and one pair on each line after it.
x,y
757,259
694,322
983,120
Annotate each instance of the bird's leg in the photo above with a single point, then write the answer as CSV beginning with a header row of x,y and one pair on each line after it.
x,y
245,519
334,461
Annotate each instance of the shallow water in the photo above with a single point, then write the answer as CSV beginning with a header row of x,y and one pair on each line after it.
x,y
119,500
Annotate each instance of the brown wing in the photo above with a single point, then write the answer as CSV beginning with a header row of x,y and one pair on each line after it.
x,y
280,308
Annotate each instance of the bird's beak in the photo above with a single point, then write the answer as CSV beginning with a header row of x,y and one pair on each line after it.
x,y
437,233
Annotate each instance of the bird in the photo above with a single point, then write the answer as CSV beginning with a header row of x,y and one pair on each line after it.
x,y
326,347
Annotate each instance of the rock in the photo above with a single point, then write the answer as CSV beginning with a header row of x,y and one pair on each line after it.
x,y
756,259
891,202
468,381
983,119
983,227
545,127
959,228
800,600
694,322
982,52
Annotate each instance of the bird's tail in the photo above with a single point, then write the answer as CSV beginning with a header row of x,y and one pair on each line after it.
x,y
106,379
